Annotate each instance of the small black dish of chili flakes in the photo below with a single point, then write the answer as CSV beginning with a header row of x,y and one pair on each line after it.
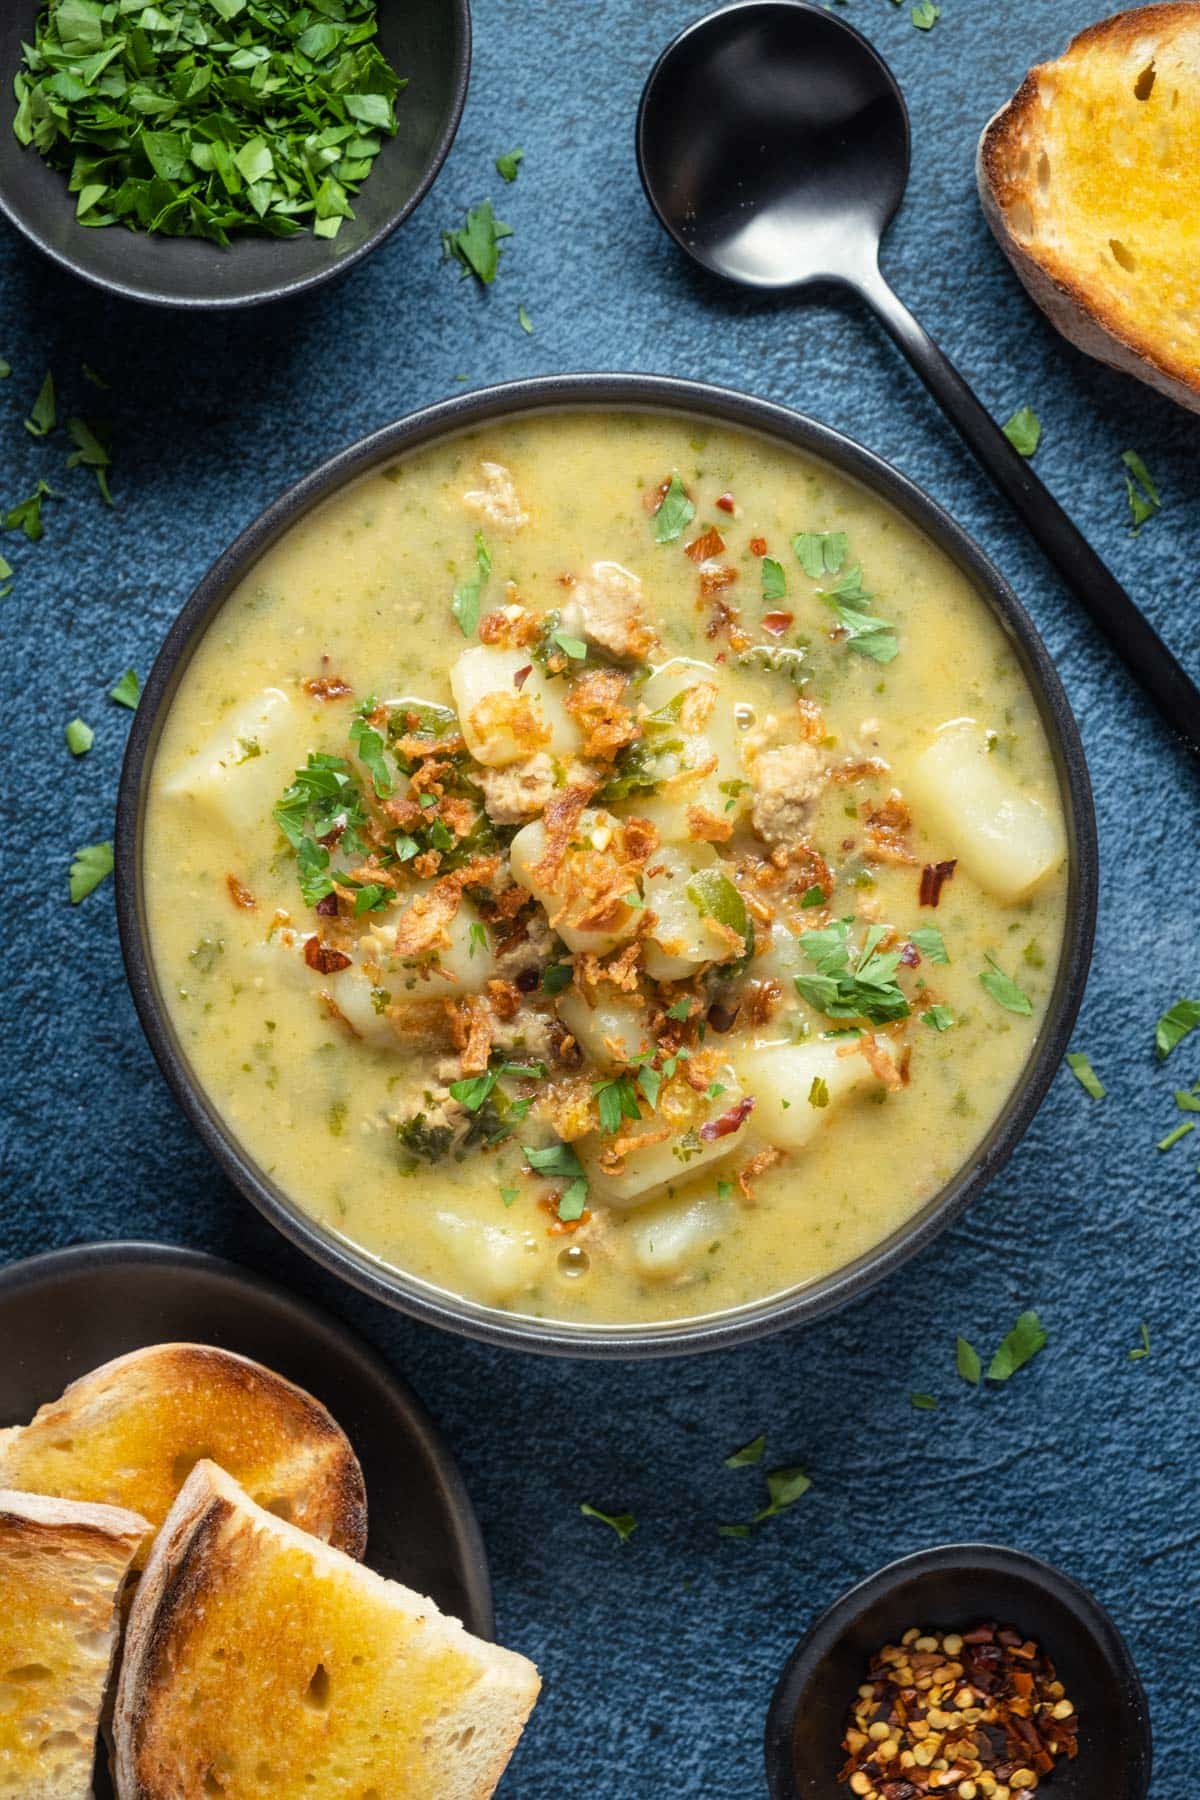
x,y
1003,1652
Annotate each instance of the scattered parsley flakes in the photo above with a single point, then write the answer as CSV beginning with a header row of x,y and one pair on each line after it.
x,y
864,631
674,512
1188,1099
748,1454
923,1402
1140,491
89,867
5,369
573,647
467,603
1003,990
80,737
784,1488
524,320
818,1093
967,1361
939,1018
92,453
1018,1347
476,245
26,515
560,1160
733,1531
1173,1137
813,896
508,164
89,374
128,690
1080,1066
6,585
930,942
1024,431
1143,1348
44,414
477,936
681,1009
556,977
774,582
820,552
509,1195
1174,1025
851,983
925,15
624,1524
263,118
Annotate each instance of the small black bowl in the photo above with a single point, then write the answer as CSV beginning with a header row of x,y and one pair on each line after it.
x,y
948,1589
621,393
429,41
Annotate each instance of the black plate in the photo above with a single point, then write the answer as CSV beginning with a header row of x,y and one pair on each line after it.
x,y
694,400
948,1588
64,1313
429,41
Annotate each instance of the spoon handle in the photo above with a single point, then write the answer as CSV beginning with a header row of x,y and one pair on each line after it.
x,y
1131,635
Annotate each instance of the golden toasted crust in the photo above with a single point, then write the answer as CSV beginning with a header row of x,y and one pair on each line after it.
x,y
130,1432
265,1665
63,1567
1090,179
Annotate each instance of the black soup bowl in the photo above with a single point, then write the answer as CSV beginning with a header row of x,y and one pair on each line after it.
x,y
428,42
625,393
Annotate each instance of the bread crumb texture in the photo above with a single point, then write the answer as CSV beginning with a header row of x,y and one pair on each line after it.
x,y
1094,170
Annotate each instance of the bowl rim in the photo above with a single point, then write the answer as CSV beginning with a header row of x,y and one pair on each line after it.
x,y
999,1559
287,289
611,392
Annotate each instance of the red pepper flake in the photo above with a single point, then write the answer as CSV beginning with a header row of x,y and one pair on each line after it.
x,y
726,502
323,959
710,543
934,877
327,687
240,894
521,676
777,622
729,1122
758,546
328,907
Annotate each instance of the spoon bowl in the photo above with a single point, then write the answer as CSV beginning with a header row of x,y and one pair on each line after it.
x,y
773,144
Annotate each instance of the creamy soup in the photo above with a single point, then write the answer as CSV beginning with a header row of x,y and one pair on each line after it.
x,y
610,867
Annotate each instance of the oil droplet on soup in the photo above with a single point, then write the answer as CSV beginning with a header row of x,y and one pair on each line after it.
x,y
610,867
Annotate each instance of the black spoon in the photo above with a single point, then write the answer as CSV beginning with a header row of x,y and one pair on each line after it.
x,y
773,144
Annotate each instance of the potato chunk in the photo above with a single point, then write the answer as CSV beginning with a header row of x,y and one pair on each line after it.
x,y
785,1080
507,709
700,764
1004,838
663,1161
611,1033
495,1262
583,893
672,1237
680,942
239,774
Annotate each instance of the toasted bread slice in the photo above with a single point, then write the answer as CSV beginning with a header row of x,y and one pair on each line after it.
x,y
261,1664
130,1432
1090,179
63,1566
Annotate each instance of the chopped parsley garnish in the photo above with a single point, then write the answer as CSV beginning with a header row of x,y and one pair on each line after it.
x,y
1017,1348
6,585
774,582
476,245
89,868
615,1099
80,737
1140,491
509,1195
559,1161
967,1361
44,413
369,745
1143,1349
5,369
939,1018
467,602
323,799
818,1093
475,1090
1188,1099
1174,1025
925,15
674,513
930,942
813,896
127,691
820,553
92,452
556,977
1003,990
1080,1066
851,983
1173,1137
624,1524
477,938
681,1009
784,1488
923,1402
210,117
26,515
748,1454
508,164
869,635
573,647
1024,431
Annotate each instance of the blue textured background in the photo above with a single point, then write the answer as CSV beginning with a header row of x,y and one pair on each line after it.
x,y
660,1656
